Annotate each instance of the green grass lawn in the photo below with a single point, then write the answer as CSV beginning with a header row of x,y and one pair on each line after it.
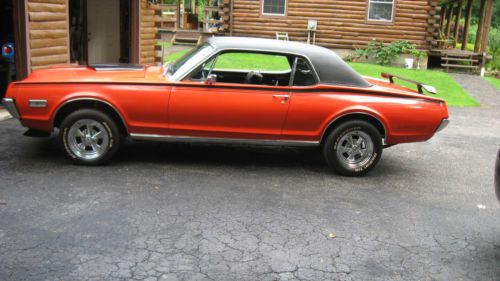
x,y
470,46
447,88
175,56
494,81
252,61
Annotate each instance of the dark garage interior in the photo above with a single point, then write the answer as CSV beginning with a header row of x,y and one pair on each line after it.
x,y
7,64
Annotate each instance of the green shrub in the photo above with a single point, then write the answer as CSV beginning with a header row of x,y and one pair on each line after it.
x,y
472,34
494,49
384,54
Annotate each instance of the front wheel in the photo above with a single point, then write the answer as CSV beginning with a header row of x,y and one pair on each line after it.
x,y
89,137
353,148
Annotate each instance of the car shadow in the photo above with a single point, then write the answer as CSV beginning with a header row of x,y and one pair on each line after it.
x,y
221,155
213,155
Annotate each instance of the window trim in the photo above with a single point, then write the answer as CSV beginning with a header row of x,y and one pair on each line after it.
x,y
262,2
383,22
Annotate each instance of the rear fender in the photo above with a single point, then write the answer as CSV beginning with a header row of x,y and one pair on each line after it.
x,y
356,110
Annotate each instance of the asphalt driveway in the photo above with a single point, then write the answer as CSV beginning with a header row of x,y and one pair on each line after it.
x,y
194,212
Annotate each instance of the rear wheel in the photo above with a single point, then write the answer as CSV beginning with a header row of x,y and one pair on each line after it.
x,y
89,137
353,148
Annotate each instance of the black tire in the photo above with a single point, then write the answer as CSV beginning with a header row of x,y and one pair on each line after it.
x,y
332,147
103,121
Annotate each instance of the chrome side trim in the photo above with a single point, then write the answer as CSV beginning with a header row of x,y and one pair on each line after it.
x,y
89,99
171,138
443,125
352,113
10,105
37,103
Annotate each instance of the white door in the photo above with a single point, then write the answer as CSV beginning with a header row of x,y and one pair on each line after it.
x,y
103,25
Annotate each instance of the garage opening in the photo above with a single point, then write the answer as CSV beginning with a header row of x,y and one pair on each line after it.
x,y
100,31
7,45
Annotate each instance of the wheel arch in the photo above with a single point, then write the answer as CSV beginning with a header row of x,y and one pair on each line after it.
x,y
357,115
71,105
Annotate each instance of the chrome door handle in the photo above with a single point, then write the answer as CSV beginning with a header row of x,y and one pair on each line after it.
x,y
285,97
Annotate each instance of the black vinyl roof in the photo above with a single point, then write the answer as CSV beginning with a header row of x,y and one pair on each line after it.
x,y
331,69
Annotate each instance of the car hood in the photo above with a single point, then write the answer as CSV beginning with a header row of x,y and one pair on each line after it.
x,y
110,74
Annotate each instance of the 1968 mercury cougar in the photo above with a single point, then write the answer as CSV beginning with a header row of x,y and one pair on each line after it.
x,y
316,100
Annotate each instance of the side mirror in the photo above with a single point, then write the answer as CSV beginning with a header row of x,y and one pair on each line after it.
x,y
212,78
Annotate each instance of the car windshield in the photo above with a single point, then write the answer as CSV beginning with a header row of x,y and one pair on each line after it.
x,y
183,65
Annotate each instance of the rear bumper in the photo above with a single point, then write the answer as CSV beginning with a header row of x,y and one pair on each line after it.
x,y
10,105
443,125
497,176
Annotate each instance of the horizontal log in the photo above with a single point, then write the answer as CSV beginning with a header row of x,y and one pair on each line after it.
x,y
49,1
149,42
151,30
48,25
147,61
44,16
332,30
43,43
145,36
49,51
48,60
147,54
44,7
350,41
48,34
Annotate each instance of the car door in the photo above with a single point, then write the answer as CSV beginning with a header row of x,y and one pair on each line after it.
x,y
227,109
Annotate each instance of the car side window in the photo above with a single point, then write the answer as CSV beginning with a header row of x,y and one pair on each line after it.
x,y
248,68
304,75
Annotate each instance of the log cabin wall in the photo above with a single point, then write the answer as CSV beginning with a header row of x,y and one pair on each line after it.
x,y
342,24
48,26
148,34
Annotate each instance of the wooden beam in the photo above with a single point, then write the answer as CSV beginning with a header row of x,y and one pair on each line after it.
x,y
487,25
468,16
448,21
480,27
22,54
442,18
135,30
457,22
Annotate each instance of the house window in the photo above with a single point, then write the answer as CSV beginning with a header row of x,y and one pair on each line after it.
x,y
274,7
381,10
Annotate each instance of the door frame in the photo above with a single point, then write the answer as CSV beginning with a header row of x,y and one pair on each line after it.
x,y
135,20
21,39
135,25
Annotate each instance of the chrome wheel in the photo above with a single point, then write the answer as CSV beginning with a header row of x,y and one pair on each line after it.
x,y
88,139
355,149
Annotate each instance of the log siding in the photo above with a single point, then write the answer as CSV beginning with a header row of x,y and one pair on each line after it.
x,y
148,34
342,24
48,32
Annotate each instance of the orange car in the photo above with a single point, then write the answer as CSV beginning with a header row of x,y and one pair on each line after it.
x,y
312,99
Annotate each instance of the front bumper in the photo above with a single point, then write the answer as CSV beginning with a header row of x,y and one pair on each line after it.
x,y
443,125
10,105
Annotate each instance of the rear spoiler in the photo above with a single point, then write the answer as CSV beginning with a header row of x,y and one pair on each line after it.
x,y
421,87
